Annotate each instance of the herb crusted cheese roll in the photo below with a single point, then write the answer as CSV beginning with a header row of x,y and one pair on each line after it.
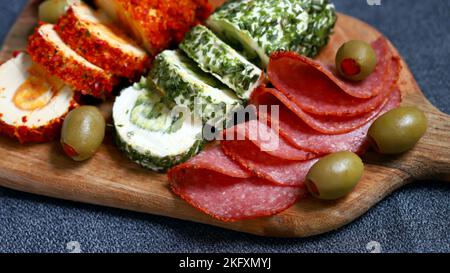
x,y
222,61
182,82
258,28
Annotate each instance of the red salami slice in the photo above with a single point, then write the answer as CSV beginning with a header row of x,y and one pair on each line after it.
x,y
314,88
280,171
322,124
295,131
267,140
225,196
205,159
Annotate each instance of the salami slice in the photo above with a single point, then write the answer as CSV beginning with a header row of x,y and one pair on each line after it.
x,y
315,89
322,124
228,195
266,139
298,133
280,171
213,154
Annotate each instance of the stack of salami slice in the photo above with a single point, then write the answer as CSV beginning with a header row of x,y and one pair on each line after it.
x,y
319,113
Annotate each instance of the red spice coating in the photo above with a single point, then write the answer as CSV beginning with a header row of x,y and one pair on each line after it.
x,y
77,34
94,82
162,22
49,132
16,53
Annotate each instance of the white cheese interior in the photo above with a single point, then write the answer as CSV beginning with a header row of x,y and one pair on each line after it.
x,y
12,75
146,142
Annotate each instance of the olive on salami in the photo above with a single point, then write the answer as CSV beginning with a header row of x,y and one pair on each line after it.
x,y
316,88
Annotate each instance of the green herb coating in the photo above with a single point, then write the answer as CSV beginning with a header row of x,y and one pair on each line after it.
x,y
222,61
261,27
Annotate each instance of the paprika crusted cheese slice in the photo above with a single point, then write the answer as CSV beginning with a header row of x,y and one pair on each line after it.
x,y
156,24
47,49
97,40
33,104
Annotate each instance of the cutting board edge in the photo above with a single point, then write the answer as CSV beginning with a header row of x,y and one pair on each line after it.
x,y
238,226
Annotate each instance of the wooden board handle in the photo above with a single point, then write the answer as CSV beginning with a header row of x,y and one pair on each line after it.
x,y
431,156
437,143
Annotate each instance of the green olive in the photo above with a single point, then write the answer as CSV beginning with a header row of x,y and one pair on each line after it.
x,y
398,130
83,132
356,60
335,175
51,10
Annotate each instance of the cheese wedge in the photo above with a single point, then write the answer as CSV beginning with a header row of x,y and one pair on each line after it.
x,y
47,49
32,103
95,38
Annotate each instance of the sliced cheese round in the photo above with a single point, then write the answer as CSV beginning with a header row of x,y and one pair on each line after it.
x,y
32,103
48,49
85,31
152,133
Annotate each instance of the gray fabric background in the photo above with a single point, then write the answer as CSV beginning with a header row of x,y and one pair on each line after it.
x,y
414,219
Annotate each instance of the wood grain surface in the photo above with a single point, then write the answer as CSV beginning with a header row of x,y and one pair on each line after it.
x,y
109,179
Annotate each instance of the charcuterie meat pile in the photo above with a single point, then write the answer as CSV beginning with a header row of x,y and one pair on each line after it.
x,y
319,113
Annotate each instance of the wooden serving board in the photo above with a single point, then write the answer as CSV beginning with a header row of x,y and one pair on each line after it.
x,y
109,179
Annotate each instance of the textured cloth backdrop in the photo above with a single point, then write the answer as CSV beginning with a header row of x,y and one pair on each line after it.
x,y
414,219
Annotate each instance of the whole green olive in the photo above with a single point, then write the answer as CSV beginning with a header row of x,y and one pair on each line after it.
x,y
355,60
83,132
398,130
50,10
335,175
